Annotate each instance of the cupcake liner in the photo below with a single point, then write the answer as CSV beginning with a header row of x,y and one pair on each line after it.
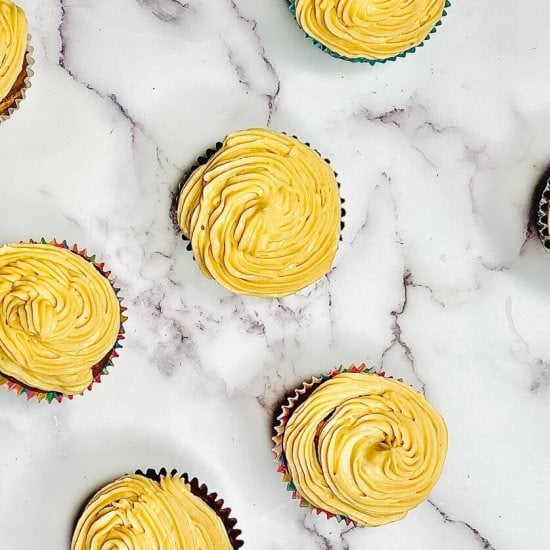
x,y
205,157
98,370
211,499
542,215
292,8
291,402
27,83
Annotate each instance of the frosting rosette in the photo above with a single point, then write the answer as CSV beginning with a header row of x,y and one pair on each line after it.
x,y
138,513
364,447
13,45
368,29
262,214
59,317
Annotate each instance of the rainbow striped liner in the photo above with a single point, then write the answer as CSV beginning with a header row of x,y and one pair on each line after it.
x,y
98,370
296,398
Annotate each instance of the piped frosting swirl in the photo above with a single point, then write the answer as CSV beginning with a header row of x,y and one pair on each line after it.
x,y
369,29
365,447
137,513
59,317
13,44
262,214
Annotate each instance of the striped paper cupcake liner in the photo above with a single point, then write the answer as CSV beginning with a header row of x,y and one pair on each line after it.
x,y
290,403
100,369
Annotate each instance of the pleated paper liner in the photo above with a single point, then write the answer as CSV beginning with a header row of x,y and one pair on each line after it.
x,y
542,215
289,404
204,158
100,369
201,491
292,7
18,92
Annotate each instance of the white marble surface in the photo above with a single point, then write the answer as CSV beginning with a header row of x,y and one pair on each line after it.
x,y
436,281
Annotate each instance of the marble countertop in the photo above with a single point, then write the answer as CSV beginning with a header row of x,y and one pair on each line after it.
x,y
437,280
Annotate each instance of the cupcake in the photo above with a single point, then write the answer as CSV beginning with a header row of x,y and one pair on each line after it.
x,y
155,512
543,211
262,214
371,32
359,446
15,57
60,319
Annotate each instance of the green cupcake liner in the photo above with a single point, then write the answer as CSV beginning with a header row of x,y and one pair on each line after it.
x,y
292,8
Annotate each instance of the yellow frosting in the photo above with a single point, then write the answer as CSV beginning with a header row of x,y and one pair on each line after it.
x,y
263,214
13,44
58,317
370,29
136,513
366,447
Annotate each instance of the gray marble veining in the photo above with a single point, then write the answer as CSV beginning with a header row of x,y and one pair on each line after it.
x,y
438,279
